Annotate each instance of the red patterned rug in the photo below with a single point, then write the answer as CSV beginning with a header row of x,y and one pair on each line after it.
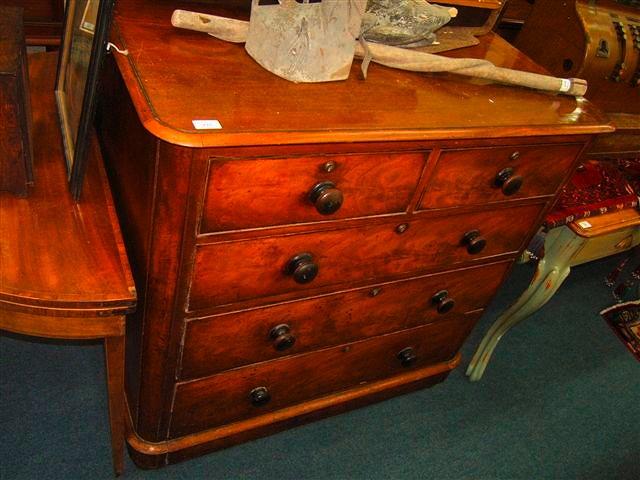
x,y
624,319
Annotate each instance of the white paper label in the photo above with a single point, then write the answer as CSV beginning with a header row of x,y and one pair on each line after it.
x,y
584,224
206,124
566,85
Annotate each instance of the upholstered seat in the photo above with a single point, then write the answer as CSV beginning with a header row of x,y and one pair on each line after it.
x,y
597,187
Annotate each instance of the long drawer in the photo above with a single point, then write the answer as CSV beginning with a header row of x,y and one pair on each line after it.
x,y
486,175
252,193
262,388
233,271
221,342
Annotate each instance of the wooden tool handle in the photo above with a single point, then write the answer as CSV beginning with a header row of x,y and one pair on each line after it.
x,y
406,59
227,29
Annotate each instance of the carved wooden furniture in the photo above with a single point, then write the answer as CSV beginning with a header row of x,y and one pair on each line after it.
x,y
16,173
64,269
578,242
329,245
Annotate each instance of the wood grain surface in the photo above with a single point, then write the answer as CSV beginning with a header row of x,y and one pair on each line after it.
x,y
467,177
231,272
255,107
225,398
56,253
227,341
264,192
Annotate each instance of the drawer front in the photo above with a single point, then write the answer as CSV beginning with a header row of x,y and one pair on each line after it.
x,y
229,272
221,342
478,176
243,194
234,395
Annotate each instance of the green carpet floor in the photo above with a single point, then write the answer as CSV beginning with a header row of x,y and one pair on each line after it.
x,y
561,400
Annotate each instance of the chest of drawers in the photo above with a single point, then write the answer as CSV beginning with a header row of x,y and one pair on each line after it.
x,y
332,245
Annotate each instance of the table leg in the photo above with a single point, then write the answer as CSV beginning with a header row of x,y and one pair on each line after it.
x,y
114,353
561,245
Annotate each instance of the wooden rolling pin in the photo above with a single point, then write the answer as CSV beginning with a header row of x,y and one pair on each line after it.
x,y
232,30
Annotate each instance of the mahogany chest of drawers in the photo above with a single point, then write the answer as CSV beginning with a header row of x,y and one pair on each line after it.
x,y
330,246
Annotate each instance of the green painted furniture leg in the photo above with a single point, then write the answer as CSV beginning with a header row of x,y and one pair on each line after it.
x,y
561,246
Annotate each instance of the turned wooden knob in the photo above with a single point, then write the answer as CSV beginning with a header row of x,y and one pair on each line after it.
x,y
326,197
259,396
507,181
407,357
302,268
442,301
474,242
282,337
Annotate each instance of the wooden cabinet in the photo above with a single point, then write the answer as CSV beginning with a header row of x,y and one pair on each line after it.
x,y
266,300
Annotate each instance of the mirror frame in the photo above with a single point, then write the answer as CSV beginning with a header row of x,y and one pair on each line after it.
x,y
75,143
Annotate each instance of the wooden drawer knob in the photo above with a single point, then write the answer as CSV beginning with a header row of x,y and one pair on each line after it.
x,y
474,242
302,268
443,302
407,357
507,181
259,396
282,337
326,197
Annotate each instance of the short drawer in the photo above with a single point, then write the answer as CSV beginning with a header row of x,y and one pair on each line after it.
x,y
484,175
234,271
265,387
221,342
244,194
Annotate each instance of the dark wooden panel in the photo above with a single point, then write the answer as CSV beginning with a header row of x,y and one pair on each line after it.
x,y
226,398
131,170
221,342
230,272
42,18
16,166
257,193
38,10
566,38
468,177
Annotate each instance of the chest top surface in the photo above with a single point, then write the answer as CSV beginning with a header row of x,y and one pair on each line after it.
x,y
176,76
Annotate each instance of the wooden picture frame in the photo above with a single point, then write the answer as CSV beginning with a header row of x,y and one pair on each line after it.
x,y
84,43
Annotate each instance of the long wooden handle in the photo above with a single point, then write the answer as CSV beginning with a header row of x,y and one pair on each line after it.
x,y
406,59
227,29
